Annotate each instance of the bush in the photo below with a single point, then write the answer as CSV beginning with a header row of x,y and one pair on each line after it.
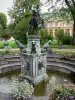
x,y
59,33
45,36
67,39
66,55
65,92
22,90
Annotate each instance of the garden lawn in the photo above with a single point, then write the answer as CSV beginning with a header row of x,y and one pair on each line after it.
x,y
11,43
64,46
11,51
71,51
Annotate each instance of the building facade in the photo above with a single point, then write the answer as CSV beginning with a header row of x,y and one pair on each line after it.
x,y
52,25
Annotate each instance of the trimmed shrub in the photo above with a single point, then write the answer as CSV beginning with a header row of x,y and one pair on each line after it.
x,y
45,36
67,39
59,33
65,92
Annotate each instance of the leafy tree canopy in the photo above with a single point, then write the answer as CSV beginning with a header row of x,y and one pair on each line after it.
x,y
21,29
3,20
19,7
58,4
6,34
20,15
59,33
62,13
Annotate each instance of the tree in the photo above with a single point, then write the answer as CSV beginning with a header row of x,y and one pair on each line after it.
x,y
21,29
59,33
17,11
62,13
67,40
1,28
45,36
65,3
3,20
20,15
5,34
4,30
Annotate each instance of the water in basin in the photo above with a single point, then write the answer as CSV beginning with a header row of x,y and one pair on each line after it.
x,y
6,83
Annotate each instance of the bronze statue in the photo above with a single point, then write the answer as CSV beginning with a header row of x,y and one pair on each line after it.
x,y
36,22
33,48
20,46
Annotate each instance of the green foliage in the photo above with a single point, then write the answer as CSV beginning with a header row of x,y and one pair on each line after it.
x,y
5,34
10,42
59,33
54,42
67,39
19,8
3,20
21,29
66,55
20,15
70,4
62,13
27,14
22,90
61,92
45,36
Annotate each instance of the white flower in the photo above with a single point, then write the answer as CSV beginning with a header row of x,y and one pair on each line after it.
x,y
23,89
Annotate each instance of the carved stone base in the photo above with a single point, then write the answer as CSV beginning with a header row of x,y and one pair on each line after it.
x,y
36,80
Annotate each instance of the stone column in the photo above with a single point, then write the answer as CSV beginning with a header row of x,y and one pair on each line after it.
x,y
53,32
71,31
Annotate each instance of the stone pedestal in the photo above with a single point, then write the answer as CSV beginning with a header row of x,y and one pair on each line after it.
x,y
36,39
34,64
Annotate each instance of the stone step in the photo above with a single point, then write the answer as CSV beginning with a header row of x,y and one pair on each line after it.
x,y
61,61
64,59
14,60
10,65
60,66
3,63
53,56
2,58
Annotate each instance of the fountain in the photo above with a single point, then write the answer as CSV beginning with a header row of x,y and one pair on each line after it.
x,y
33,67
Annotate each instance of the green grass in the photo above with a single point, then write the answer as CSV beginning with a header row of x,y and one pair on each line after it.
x,y
64,46
11,43
62,51
11,51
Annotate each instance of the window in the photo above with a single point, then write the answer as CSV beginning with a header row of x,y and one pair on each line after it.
x,y
51,32
67,31
62,24
56,24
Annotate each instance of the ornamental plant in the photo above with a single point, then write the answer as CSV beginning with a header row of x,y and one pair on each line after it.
x,y
64,92
22,90
66,55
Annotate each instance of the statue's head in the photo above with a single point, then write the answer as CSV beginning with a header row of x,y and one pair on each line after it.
x,y
33,42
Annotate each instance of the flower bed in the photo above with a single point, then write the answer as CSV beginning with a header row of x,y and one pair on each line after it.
x,y
64,92
22,90
66,55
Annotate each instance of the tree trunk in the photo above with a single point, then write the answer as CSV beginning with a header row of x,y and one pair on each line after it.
x,y
73,40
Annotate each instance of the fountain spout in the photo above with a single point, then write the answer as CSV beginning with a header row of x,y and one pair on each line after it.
x,y
20,46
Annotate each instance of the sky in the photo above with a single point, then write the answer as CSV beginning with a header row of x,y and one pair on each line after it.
x,y
5,4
